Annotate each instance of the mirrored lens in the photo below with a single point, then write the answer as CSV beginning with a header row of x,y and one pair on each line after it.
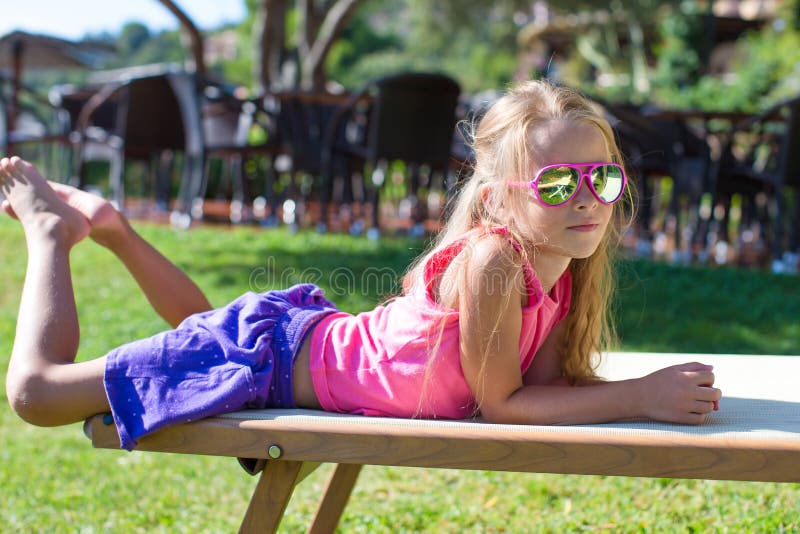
x,y
607,182
557,185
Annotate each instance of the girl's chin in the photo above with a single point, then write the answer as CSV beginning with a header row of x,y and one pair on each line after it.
x,y
574,250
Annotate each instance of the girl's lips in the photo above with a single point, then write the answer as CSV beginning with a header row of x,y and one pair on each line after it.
x,y
584,227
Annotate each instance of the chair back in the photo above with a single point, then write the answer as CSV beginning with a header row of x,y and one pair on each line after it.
x,y
72,99
304,119
224,125
413,119
155,117
148,113
657,146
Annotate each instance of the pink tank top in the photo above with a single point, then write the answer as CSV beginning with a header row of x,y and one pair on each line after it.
x,y
378,362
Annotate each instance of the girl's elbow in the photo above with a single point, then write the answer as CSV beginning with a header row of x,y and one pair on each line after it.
x,y
30,397
498,414
515,414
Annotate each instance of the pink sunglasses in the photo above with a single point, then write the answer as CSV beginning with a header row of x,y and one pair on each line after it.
x,y
555,185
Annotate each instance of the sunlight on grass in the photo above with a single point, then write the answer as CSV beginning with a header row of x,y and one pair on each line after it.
x,y
53,481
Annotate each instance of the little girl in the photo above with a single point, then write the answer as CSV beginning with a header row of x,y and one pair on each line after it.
x,y
502,317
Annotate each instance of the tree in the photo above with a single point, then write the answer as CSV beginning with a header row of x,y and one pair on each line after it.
x,y
369,38
132,37
477,46
318,24
195,37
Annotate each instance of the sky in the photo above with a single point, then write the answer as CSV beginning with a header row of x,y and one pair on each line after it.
x,y
72,19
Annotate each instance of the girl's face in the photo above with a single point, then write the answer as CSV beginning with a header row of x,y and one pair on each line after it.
x,y
573,230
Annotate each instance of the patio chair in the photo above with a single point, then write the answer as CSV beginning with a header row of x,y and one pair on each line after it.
x,y
760,162
92,132
226,123
151,118
141,119
305,119
659,147
411,118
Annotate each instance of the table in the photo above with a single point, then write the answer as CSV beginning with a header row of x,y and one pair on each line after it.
x,y
754,436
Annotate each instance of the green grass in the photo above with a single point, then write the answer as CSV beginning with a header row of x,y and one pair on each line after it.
x,y
51,480
663,308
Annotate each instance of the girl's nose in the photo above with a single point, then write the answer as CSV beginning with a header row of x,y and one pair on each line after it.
x,y
584,198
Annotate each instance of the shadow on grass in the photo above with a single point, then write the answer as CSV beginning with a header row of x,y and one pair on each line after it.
x,y
658,307
665,308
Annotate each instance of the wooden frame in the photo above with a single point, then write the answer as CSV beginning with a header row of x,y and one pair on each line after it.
x,y
754,436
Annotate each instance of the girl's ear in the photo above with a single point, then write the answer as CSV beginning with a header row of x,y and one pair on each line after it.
x,y
493,203
487,197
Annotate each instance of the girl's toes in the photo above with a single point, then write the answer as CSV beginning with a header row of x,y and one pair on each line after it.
x,y
22,169
6,205
20,165
3,169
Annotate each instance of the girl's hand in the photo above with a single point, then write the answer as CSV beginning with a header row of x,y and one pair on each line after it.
x,y
107,224
680,394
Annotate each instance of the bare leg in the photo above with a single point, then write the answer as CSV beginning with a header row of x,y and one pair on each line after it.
x,y
44,385
173,295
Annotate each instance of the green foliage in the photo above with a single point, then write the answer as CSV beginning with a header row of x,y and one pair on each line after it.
x,y
765,66
476,43
677,50
477,46
132,37
765,69
347,61
137,49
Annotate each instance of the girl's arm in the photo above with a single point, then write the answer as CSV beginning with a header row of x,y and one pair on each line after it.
x,y
490,324
546,366
169,290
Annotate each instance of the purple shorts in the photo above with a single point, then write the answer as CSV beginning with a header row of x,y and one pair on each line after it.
x,y
235,357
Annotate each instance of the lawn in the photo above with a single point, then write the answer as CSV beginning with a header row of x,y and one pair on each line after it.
x,y
53,481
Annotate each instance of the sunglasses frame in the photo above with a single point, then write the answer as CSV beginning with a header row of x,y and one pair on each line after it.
x,y
584,174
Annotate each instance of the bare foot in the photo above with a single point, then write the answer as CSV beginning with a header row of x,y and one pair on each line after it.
x,y
107,224
37,206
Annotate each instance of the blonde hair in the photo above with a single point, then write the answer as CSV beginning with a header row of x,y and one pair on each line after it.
x,y
502,147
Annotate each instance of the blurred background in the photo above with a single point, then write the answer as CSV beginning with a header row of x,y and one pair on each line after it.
x,y
725,54
278,108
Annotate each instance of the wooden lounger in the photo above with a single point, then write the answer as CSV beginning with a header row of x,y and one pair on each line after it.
x,y
755,435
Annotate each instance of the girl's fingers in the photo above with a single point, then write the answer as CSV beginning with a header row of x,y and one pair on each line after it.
x,y
702,378
709,394
707,400
702,407
695,366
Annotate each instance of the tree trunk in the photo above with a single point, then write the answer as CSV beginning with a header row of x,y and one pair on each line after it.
x,y
310,21
312,59
195,37
260,47
269,40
